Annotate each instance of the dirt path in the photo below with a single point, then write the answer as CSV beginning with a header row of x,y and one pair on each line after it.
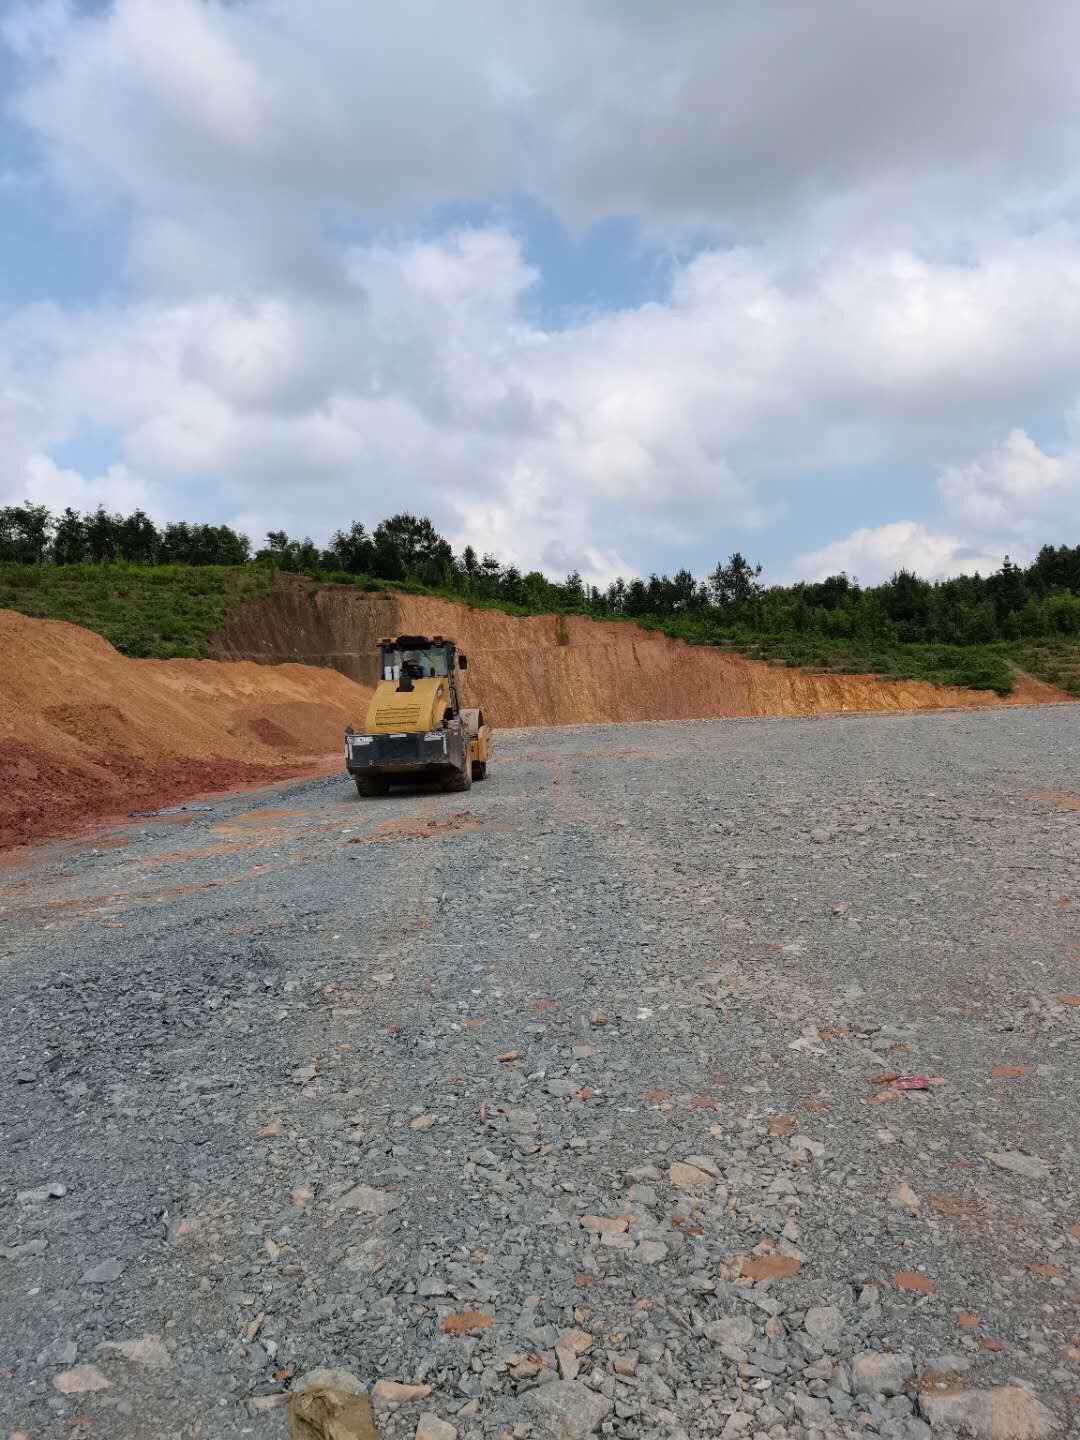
x,y
566,1102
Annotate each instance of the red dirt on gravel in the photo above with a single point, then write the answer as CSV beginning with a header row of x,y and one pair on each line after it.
x,y
87,734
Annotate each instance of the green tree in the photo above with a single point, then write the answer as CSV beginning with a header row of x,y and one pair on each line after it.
x,y
735,582
25,531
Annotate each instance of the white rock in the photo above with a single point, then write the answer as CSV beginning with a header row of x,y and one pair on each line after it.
x,y
685,1176
650,1252
878,1374
430,1427
1030,1166
80,1381
569,1364
393,1393
734,1330
327,1379
904,1198
1007,1412
368,1200
148,1351
825,1323
567,1409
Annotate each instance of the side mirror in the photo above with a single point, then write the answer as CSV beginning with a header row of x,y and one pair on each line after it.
x,y
463,662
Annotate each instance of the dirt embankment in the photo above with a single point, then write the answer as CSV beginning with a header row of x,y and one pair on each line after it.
x,y
86,733
550,670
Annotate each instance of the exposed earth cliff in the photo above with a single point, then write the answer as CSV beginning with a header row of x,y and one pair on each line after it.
x,y
566,670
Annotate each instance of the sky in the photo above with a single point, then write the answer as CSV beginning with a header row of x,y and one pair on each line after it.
x,y
605,285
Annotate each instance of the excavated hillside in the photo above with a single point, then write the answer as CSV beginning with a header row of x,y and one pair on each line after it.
x,y
85,732
566,670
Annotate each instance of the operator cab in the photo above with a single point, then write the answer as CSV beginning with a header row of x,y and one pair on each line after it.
x,y
416,657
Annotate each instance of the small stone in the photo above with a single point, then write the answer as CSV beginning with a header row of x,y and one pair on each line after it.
x,y
685,1176
737,1331
812,1411
422,1122
28,1248
105,1273
430,1427
650,1252
625,1364
368,1200
567,1409
601,1225
326,1379
569,1364
579,1341
148,1351
904,1198
876,1374
825,1323
81,1381
304,1074
393,1393
262,1404
60,1352
1006,1412
1030,1166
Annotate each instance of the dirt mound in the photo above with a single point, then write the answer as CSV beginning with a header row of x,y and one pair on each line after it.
x,y
85,732
552,670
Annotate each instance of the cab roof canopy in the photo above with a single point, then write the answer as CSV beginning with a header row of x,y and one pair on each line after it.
x,y
417,642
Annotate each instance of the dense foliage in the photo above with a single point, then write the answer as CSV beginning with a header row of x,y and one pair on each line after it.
x,y
967,630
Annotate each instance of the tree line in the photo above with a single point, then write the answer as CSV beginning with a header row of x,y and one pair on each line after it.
x,y
1015,602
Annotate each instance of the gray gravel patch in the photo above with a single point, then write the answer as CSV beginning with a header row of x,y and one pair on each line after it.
x,y
590,1112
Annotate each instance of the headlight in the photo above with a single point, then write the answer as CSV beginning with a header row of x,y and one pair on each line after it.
x,y
361,739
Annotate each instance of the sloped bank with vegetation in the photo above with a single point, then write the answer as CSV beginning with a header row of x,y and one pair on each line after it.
x,y
167,592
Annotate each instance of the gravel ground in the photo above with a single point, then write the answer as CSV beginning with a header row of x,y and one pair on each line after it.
x,y
563,1103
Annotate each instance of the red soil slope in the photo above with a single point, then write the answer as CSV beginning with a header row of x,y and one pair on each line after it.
x,y
85,732
548,670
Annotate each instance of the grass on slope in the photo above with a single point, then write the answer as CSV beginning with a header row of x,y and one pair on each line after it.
x,y
150,611
159,611
172,610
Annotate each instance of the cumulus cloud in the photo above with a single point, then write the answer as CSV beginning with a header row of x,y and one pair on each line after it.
x,y
426,384
1015,489
874,554
57,487
728,114
873,280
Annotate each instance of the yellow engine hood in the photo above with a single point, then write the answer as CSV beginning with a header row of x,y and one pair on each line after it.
x,y
392,710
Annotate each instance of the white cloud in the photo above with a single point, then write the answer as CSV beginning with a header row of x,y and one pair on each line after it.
x,y
423,385
875,554
46,483
1015,490
729,114
904,289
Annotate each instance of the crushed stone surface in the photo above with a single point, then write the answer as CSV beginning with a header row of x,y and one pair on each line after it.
x,y
593,1116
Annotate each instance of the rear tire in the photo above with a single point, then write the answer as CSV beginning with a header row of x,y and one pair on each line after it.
x,y
368,786
461,781
479,769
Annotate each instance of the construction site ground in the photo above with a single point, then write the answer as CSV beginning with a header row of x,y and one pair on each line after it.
x,y
579,1103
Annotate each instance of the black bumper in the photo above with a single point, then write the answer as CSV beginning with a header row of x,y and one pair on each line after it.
x,y
412,754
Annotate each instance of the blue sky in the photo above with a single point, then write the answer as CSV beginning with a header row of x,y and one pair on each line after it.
x,y
602,286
